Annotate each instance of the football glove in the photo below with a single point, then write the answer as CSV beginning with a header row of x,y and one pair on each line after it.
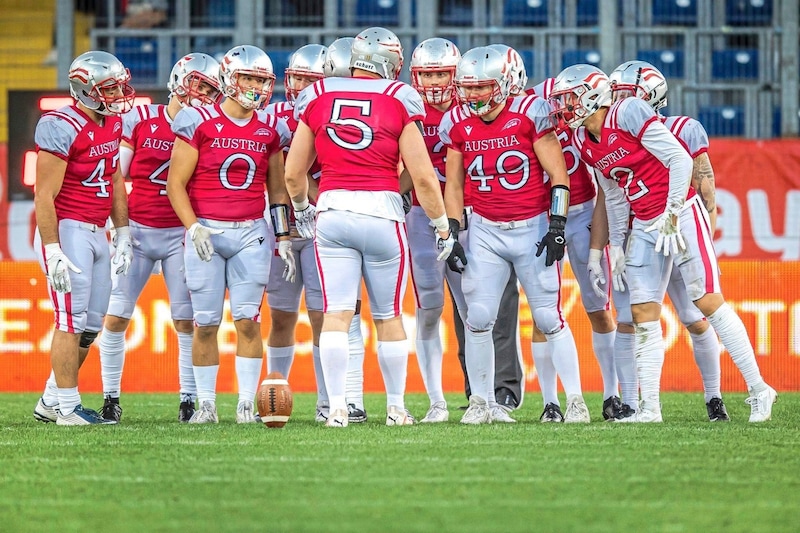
x,y
618,276
58,267
123,253
450,249
201,238
553,241
290,268
668,226
305,219
596,275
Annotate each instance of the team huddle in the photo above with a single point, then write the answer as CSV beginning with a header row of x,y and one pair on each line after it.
x,y
464,178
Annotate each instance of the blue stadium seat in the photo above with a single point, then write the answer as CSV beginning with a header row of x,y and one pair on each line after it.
x,y
674,12
722,121
377,13
457,13
525,13
221,13
280,60
734,64
748,12
140,56
572,57
669,62
588,14
527,59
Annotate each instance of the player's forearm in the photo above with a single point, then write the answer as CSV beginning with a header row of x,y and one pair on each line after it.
x,y
276,185
179,199
703,182
119,205
429,195
598,234
46,219
659,141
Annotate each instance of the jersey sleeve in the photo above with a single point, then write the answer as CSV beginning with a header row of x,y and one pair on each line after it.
x,y
634,115
695,137
412,102
284,132
185,124
53,136
305,97
539,113
445,131
129,121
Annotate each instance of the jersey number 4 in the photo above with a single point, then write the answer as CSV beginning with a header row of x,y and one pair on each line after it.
x,y
98,177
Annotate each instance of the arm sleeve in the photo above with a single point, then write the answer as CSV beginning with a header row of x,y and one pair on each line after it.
x,y
617,209
660,142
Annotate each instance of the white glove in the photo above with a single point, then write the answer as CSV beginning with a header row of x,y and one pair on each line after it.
x,y
668,226
618,276
596,275
285,251
123,253
304,218
201,238
58,267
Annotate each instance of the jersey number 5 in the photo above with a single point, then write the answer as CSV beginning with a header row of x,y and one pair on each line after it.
x,y
365,132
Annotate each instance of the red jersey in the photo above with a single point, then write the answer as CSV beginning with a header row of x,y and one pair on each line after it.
x,y
285,112
231,174
504,179
357,124
91,152
148,129
436,148
620,156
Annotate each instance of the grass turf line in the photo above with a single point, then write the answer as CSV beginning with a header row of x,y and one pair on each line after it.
x,y
153,474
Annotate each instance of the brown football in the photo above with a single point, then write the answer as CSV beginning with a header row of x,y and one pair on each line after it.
x,y
274,400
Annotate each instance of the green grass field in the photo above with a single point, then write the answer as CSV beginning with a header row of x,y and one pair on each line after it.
x,y
153,474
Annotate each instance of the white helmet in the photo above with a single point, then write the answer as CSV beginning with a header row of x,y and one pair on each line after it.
x,y
337,62
640,79
379,51
306,61
93,73
519,78
251,61
188,73
434,55
481,67
578,92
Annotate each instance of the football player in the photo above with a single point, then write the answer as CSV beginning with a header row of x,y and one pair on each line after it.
x,y
157,232
223,157
647,172
505,146
78,185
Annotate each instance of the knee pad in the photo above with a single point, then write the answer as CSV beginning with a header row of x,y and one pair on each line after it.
x,y
478,318
547,319
87,338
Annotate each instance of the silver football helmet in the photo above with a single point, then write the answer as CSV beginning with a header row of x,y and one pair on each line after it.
x,y
307,61
100,81
337,61
379,51
434,55
482,67
519,77
640,79
188,75
578,92
250,61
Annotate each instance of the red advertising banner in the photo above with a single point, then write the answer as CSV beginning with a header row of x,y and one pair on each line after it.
x,y
766,294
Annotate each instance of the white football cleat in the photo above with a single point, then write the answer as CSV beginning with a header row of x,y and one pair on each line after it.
x,y
323,412
397,416
437,413
500,414
478,412
207,414
337,419
761,404
45,413
577,412
245,413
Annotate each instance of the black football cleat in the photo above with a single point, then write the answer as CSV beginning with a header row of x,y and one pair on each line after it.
x,y
716,410
186,410
356,415
111,409
611,408
551,413
506,398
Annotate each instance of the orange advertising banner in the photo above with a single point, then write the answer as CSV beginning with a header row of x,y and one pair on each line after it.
x,y
765,294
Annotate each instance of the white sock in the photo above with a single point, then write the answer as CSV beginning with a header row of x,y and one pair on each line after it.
x,y
248,371
546,372
322,390
705,348
565,359
50,394
733,335
206,379
354,387
603,344
479,359
625,363
112,359
185,371
280,359
649,362
68,400
333,352
393,360
429,356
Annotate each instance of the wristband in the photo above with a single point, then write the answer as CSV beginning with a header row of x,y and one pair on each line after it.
x,y
595,255
441,223
559,200
300,206
279,213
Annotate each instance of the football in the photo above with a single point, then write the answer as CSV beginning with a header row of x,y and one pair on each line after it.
x,y
274,400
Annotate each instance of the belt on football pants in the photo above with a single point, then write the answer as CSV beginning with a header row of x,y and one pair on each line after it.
x,y
503,225
228,224
94,228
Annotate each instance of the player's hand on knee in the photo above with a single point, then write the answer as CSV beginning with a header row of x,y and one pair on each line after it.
x,y
123,253
596,275
553,241
290,264
58,267
201,238
305,218
668,226
619,278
